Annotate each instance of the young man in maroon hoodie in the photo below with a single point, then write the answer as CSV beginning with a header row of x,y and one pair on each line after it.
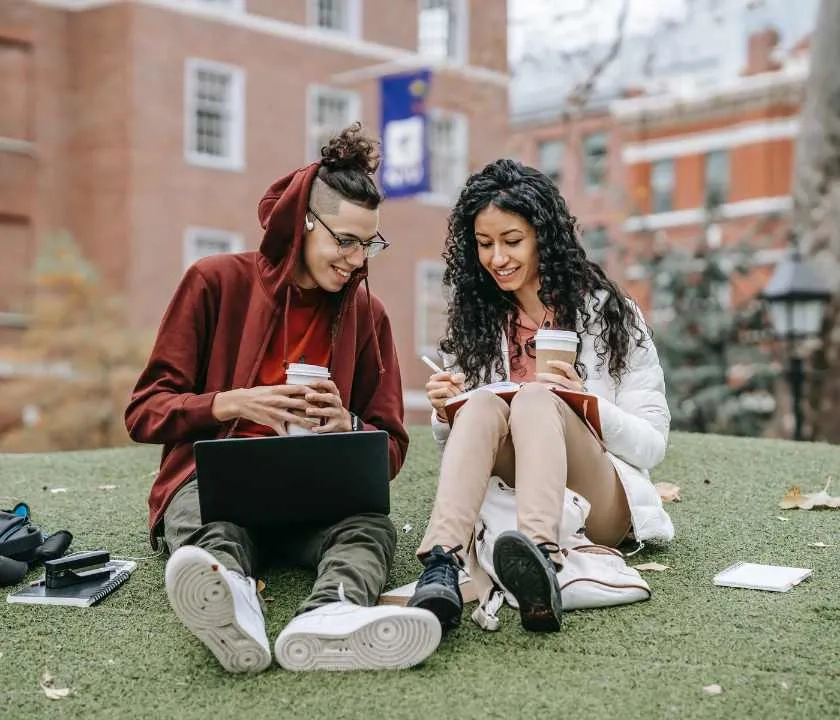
x,y
218,369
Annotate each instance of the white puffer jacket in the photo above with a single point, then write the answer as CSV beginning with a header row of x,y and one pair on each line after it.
x,y
635,422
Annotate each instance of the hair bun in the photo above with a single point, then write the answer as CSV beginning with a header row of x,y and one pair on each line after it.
x,y
351,150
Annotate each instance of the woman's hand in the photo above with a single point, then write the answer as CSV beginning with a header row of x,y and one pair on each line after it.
x,y
325,405
564,375
441,387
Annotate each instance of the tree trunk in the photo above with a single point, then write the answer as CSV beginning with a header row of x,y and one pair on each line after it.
x,y
817,210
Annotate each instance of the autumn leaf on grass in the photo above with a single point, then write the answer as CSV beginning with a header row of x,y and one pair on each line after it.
x,y
796,499
668,492
47,683
652,566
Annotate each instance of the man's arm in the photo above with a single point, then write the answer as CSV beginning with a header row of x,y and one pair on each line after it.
x,y
167,405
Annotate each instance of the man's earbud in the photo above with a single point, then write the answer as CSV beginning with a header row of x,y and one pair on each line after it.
x,y
309,225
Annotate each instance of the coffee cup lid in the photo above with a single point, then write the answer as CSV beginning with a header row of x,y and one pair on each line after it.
x,y
304,369
546,334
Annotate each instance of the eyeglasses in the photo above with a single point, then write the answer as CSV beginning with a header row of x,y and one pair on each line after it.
x,y
348,245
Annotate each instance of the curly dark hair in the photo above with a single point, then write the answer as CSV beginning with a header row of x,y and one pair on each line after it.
x,y
479,309
348,162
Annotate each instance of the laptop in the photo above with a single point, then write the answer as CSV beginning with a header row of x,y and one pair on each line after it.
x,y
293,479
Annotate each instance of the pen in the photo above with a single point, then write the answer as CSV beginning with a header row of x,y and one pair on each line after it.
x,y
431,364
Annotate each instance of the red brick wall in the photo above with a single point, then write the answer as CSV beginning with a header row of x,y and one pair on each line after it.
x,y
755,171
18,165
16,65
16,241
99,138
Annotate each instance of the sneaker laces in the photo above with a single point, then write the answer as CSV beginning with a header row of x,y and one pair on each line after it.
x,y
547,548
442,567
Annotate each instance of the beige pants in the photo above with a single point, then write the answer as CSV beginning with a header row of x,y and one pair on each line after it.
x,y
538,445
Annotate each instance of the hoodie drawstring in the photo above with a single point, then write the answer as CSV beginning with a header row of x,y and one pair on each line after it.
x,y
286,326
373,330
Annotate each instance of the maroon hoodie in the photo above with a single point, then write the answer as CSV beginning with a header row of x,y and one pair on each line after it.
x,y
217,327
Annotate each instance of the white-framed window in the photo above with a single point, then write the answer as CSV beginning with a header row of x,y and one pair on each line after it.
x,y
550,154
200,242
233,5
341,16
214,113
443,29
595,160
430,307
716,173
662,186
329,112
448,152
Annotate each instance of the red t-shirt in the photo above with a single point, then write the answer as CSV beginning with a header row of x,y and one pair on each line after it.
x,y
308,326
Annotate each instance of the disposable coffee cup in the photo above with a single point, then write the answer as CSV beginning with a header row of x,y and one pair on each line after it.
x,y
555,345
303,374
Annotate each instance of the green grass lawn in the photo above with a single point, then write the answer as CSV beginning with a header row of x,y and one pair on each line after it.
x,y
775,655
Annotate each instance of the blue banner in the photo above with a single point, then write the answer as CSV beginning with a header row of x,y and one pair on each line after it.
x,y
405,152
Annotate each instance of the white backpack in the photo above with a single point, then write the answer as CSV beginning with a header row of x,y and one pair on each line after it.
x,y
592,576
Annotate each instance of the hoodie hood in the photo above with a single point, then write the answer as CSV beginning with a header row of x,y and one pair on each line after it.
x,y
282,213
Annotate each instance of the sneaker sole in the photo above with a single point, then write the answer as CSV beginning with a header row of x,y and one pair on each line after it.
x,y
389,642
445,608
203,601
521,568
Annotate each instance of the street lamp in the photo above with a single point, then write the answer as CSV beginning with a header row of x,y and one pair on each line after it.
x,y
796,295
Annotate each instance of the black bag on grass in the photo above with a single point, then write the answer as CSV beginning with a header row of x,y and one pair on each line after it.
x,y
23,545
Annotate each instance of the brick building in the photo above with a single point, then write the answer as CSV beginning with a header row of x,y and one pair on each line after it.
x,y
714,164
691,161
149,129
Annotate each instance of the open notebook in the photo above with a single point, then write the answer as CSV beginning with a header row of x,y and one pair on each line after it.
x,y
83,594
584,404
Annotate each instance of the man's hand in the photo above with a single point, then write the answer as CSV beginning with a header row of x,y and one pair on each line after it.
x,y
441,387
564,375
324,402
271,405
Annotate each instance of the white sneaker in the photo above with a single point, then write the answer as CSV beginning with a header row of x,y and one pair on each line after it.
x,y
220,607
345,636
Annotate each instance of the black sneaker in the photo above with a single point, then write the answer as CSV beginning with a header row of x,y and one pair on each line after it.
x,y
438,589
531,577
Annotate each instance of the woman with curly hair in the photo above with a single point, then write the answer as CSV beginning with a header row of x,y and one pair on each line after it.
x,y
514,265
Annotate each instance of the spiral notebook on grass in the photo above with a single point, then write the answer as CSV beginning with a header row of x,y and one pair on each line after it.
x,y
754,576
584,404
83,594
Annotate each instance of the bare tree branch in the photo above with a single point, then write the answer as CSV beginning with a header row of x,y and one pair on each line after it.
x,y
582,91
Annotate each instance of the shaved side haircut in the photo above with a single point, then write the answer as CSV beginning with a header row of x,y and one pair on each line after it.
x,y
324,199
